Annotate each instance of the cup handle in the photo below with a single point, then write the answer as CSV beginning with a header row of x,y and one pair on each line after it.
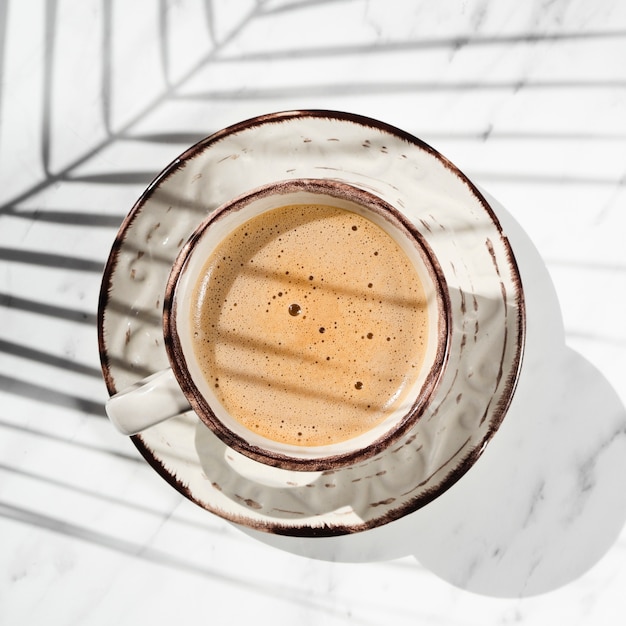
x,y
146,403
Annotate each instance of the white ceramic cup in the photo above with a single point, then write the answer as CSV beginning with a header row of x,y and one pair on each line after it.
x,y
184,386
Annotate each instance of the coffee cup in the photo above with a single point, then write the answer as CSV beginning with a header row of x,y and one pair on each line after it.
x,y
306,323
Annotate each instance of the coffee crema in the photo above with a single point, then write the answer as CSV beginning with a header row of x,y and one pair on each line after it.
x,y
310,323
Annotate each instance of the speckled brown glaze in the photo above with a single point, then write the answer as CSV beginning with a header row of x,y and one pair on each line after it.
x,y
484,290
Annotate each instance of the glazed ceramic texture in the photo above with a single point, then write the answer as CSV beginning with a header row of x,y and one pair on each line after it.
x,y
484,290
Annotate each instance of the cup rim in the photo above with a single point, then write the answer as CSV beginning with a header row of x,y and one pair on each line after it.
x,y
422,396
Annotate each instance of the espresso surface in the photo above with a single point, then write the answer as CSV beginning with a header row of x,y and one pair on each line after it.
x,y
310,323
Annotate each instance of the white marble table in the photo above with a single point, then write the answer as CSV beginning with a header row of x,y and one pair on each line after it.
x,y
528,99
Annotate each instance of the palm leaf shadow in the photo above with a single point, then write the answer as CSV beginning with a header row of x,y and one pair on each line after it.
x,y
68,172
15,255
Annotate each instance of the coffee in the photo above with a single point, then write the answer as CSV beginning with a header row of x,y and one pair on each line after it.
x,y
310,323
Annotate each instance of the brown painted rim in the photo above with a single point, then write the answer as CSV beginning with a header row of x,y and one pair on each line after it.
x,y
202,407
323,530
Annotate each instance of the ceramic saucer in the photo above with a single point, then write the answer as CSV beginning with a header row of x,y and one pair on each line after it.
x,y
487,325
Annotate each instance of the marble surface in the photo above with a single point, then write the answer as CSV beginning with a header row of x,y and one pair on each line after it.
x,y
528,99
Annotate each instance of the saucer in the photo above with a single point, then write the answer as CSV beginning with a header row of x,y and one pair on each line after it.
x,y
487,319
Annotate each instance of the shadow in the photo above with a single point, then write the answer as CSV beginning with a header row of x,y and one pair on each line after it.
x,y
113,178
107,66
526,136
98,495
288,7
70,441
414,45
65,173
50,260
389,88
47,395
47,310
164,42
4,10
122,365
111,542
313,603
185,138
48,82
150,317
45,358
547,503
335,290
68,218
597,337
548,179
209,16
588,266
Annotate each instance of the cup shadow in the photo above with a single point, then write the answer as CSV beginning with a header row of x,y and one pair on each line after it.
x,y
541,506
544,501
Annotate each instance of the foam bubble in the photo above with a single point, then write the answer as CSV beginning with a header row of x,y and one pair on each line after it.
x,y
307,378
